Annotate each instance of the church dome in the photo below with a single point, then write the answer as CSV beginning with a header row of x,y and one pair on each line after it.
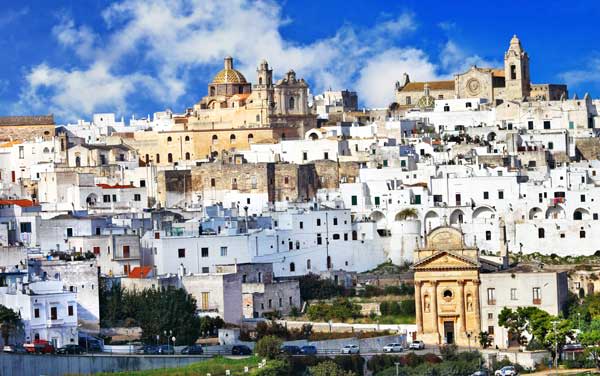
x,y
229,75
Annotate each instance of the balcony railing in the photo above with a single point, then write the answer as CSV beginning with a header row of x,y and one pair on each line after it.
x,y
537,301
491,301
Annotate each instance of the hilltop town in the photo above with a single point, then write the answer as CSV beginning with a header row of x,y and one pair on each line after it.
x,y
474,196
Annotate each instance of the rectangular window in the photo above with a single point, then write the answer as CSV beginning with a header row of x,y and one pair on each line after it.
x,y
582,198
114,198
318,221
335,221
417,199
345,236
21,152
491,330
537,295
137,197
125,251
36,313
325,155
253,182
71,310
204,301
486,195
25,226
105,198
304,156
500,195
377,201
301,225
205,269
53,313
69,232
354,200
319,239
513,294
204,252
181,253
408,100
546,124
530,124
142,183
223,251
491,296
490,316
96,250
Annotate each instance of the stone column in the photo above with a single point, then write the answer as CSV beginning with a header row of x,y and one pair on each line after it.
x,y
434,310
476,283
419,307
462,327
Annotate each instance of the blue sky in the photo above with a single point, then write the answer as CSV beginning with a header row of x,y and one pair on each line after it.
x,y
73,58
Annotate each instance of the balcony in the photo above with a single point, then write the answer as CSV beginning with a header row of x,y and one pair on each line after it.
x,y
537,301
491,301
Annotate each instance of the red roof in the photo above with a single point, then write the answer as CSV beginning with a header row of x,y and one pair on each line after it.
x,y
21,203
116,186
140,272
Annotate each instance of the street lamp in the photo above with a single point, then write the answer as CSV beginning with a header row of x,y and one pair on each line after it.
x,y
173,338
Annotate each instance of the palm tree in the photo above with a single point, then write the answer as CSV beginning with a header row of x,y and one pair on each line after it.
x,y
10,322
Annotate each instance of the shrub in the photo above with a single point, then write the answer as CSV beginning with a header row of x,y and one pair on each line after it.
x,y
353,364
312,287
274,367
268,347
449,352
329,368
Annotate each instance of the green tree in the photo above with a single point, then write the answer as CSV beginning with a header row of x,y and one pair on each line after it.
x,y
516,322
329,368
485,339
590,338
268,347
10,322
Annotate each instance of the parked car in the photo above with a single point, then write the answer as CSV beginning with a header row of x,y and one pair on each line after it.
x,y
40,346
290,350
350,349
506,371
393,347
192,350
308,350
241,350
416,345
70,349
16,349
480,373
148,350
166,350
91,344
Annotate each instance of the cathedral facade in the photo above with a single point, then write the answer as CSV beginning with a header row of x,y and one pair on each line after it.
x,y
510,83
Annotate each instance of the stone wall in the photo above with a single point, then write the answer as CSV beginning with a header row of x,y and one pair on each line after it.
x,y
588,148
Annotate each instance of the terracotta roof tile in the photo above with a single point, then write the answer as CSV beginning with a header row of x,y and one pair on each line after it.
x,y
433,85
140,272
21,203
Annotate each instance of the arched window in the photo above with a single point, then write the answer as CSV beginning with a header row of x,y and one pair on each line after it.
x,y
212,91
187,156
215,139
170,158
187,138
46,150
77,161
232,139
292,267
260,80
292,103
157,158
250,138
234,185
169,139
354,235
308,264
541,233
577,215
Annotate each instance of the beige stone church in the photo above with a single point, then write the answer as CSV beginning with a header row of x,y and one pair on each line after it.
x,y
510,83
447,289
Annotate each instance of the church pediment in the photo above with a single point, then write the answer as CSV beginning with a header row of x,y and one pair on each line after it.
x,y
446,260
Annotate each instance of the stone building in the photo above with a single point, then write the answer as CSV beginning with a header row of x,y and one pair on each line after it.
x,y
26,127
509,83
234,115
447,288
251,185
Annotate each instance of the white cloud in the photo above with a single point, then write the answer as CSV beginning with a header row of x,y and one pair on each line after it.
x,y
588,75
9,16
174,39
378,76
455,60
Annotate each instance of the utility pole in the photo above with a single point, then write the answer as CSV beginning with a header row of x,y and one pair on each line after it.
x,y
555,348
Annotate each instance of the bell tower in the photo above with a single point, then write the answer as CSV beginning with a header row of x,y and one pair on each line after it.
x,y
516,71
